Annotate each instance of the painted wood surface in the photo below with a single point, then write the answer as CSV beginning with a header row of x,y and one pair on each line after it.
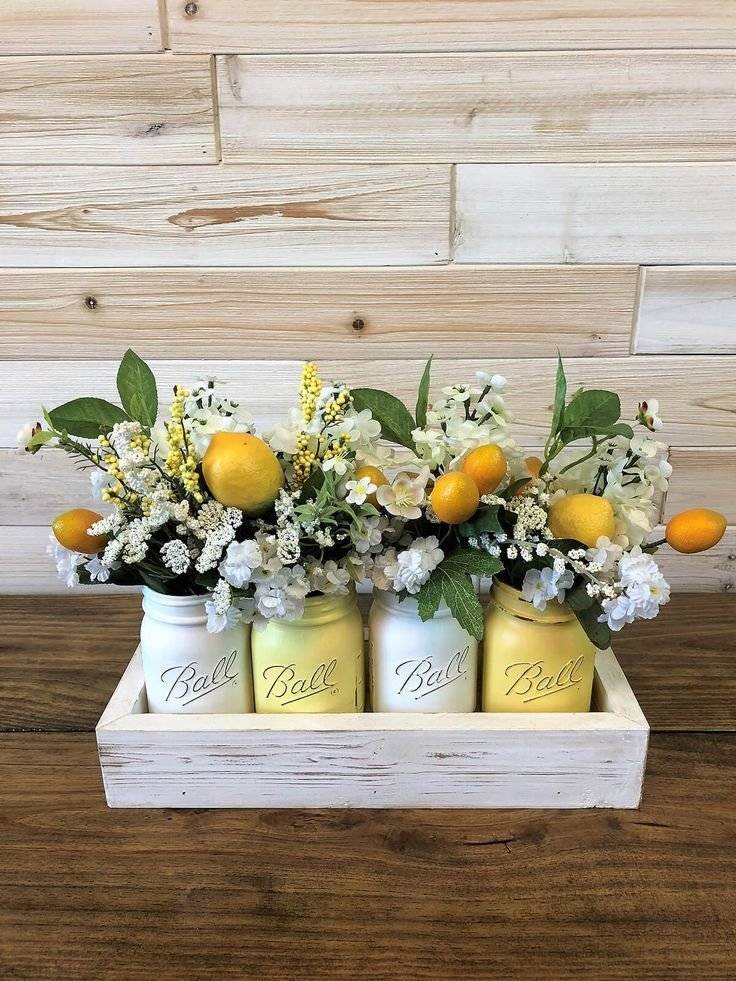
x,y
60,675
447,25
235,216
703,477
698,394
487,108
79,26
494,311
646,213
107,110
687,310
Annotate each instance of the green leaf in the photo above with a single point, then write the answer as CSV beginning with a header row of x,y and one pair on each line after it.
x,y
593,408
577,598
87,417
597,633
137,389
560,395
460,596
473,562
423,395
486,520
511,490
586,432
429,597
395,419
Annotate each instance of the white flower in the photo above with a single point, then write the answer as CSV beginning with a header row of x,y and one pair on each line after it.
x,y
207,422
410,569
99,479
283,438
360,490
541,586
98,571
404,495
648,415
25,435
361,426
282,594
336,463
221,614
606,554
496,382
176,556
330,579
67,562
241,559
618,611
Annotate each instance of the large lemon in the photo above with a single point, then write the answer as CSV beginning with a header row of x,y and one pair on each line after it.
x,y
695,530
583,517
242,472
486,465
454,498
70,530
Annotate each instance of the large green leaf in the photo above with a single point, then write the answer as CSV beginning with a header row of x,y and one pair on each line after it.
x,y
429,597
462,599
473,562
485,520
137,389
395,419
572,434
597,633
423,395
86,417
592,408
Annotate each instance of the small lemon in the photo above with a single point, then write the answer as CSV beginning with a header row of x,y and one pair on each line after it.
x,y
695,530
487,467
583,517
242,472
533,465
376,476
454,498
70,530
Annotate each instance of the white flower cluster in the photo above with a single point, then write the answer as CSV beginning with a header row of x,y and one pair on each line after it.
x,y
409,568
641,590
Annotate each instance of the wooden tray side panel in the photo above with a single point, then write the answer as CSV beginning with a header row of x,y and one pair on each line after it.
x,y
391,768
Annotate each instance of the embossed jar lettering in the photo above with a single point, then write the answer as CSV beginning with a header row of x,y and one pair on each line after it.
x,y
419,666
534,661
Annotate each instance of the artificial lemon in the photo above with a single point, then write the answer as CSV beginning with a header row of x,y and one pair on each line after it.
x,y
454,498
376,476
583,517
533,465
695,530
242,472
70,530
486,465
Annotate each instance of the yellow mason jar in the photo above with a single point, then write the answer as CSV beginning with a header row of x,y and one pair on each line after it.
x,y
314,664
534,662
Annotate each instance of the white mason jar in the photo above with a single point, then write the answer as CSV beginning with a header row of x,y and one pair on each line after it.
x,y
187,669
416,666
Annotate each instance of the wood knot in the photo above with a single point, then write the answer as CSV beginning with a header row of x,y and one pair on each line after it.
x,y
191,9
90,302
358,323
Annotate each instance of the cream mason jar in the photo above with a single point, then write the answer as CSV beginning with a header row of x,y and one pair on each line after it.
x,y
416,666
186,669
314,664
534,662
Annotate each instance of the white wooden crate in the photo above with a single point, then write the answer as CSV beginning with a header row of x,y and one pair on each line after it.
x,y
581,759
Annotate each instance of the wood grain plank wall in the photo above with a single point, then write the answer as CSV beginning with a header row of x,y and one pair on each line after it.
x,y
262,26
107,109
567,106
233,187
79,26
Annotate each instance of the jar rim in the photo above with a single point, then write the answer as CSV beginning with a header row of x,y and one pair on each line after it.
x,y
510,599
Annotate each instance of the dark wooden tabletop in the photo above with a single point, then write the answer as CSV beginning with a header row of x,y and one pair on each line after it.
x,y
88,892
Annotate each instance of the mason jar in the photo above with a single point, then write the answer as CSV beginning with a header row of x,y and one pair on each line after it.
x,y
417,666
186,669
313,664
534,661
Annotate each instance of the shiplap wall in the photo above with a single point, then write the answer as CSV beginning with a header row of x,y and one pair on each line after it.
x,y
230,187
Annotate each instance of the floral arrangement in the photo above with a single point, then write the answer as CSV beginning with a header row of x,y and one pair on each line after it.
x,y
573,526
201,505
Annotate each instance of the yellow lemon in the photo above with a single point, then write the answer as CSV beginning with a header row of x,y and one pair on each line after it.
x,y
533,465
486,465
70,530
454,498
695,530
583,517
376,476
242,472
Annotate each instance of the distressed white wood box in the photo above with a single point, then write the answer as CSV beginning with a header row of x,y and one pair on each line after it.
x,y
591,759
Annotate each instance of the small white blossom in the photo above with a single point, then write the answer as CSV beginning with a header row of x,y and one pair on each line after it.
x,y
176,556
360,490
404,496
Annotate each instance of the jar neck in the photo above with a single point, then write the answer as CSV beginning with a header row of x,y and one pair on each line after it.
x,y
510,601
408,606
323,608
174,609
